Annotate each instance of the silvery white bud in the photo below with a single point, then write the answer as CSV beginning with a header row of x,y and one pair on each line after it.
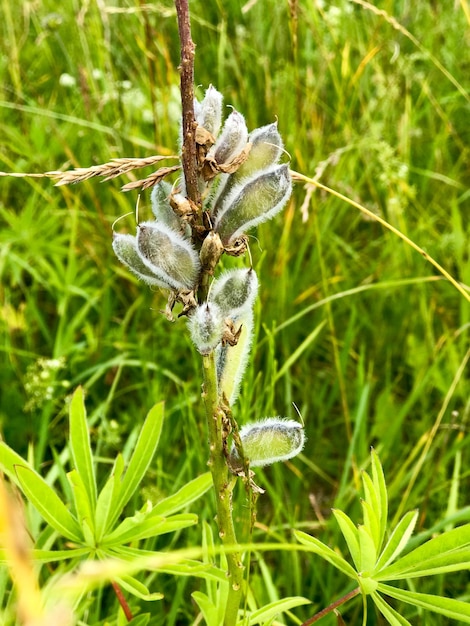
x,y
168,255
206,326
269,440
232,140
125,248
235,291
231,361
161,208
253,201
209,112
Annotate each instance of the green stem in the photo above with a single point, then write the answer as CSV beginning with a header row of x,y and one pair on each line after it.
x,y
217,428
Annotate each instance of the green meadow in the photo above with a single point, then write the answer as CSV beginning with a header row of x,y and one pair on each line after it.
x,y
365,333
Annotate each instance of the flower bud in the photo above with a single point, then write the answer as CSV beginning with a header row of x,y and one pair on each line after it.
x,y
125,248
206,326
168,255
209,112
252,202
232,140
269,440
231,361
235,291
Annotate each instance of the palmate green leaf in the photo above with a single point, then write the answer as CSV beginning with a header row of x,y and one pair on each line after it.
x,y
378,478
138,589
48,503
82,501
350,533
447,552
455,609
80,445
143,526
269,612
398,539
187,567
367,548
185,496
9,460
208,609
107,498
141,458
317,547
394,618
372,523
195,568
51,556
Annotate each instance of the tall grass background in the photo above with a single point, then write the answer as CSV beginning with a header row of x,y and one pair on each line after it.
x,y
355,327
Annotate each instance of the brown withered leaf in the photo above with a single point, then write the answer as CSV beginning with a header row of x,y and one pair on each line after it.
x,y
210,168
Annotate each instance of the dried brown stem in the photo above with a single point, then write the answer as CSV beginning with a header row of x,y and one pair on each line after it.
x,y
122,601
189,153
334,605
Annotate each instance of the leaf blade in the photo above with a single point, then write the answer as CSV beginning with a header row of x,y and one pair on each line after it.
x,y
80,447
48,503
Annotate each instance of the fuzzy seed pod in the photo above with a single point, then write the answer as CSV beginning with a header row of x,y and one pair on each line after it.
x,y
168,255
232,140
269,440
266,148
161,207
253,201
235,291
125,248
206,326
209,111
231,361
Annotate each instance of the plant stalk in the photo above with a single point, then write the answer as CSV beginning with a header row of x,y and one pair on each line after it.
x,y
331,607
188,153
218,426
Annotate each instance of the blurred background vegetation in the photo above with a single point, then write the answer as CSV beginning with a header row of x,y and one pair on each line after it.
x,y
375,104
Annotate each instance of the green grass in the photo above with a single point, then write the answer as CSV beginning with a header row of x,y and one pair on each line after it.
x,y
357,100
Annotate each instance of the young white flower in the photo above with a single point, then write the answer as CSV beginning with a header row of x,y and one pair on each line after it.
x,y
269,440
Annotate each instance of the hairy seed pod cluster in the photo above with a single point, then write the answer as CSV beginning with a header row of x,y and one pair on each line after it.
x,y
242,184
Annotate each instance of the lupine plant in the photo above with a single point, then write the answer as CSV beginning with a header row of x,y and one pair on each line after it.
x,y
241,183
231,181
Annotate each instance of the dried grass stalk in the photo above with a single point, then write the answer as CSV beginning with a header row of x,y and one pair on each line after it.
x,y
151,180
109,170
